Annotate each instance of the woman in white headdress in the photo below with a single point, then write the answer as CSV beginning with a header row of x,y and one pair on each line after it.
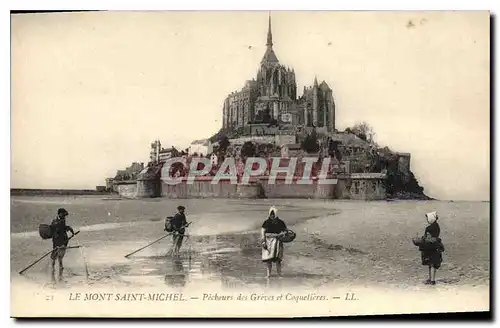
x,y
272,247
432,247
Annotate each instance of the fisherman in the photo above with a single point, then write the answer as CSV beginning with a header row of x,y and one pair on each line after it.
x,y
60,240
179,225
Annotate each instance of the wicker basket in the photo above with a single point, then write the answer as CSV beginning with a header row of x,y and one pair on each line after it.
x,y
44,231
168,224
417,241
288,237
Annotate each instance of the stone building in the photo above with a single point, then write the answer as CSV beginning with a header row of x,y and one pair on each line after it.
x,y
130,173
202,146
154,154
271,97
109,183
290,150
166,153
158,154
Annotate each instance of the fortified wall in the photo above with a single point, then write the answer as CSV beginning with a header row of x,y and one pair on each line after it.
x,y
360,186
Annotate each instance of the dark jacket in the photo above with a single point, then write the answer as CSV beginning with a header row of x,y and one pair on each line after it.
x,y
433,229
178,222
59,231
274,225
431,240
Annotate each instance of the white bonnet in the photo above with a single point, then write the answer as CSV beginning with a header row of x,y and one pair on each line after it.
x,y
273,209
431,217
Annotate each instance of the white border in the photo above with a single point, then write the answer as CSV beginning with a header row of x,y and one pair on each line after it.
x,y
6,6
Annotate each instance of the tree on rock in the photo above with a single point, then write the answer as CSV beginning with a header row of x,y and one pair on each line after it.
x,y
223,144
364,131
248,149
310,143
333,149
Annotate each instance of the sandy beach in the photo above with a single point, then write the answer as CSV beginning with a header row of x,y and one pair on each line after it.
x,y
342,247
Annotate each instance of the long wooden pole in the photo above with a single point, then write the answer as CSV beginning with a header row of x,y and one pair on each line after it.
x,y
41,258
154,242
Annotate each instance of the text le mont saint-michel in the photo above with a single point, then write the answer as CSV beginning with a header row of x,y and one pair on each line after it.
x,y
179,297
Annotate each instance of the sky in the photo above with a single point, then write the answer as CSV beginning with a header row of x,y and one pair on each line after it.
x,y
91,91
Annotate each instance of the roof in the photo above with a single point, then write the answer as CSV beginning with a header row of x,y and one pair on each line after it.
x,y
292,146
307,93
324,86
269,56
200,142
167,150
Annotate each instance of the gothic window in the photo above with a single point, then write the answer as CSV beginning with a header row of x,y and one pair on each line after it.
x,y
309,118
326,118
275,81
320,117
269,75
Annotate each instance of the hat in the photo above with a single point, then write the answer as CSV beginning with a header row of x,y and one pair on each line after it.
x,y
180,207
62,211
273,210
431,217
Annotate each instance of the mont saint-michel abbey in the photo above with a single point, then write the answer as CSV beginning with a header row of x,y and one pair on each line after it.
x,y
271,97
267,119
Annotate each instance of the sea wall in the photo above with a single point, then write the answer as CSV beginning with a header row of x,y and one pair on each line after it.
x,y
367,186
148,188
342,190
360,186
204,188
355,186
281,189
127,189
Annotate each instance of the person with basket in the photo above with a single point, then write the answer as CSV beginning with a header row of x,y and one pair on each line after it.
x,y
60,239
177,226
273,233
431,247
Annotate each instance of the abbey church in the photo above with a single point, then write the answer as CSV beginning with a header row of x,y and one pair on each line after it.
x,y
271,97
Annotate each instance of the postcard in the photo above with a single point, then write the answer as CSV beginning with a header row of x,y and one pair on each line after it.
x,y
249,164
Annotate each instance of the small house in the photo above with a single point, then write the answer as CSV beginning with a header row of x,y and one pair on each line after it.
x,y
290,150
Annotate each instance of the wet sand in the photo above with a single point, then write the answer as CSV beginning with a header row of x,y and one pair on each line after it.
x,y
341,247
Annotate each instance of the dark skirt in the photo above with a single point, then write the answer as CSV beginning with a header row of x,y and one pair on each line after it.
x,y
432,258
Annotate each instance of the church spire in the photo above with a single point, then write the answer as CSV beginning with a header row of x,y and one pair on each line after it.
x,y
269,33
269,55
